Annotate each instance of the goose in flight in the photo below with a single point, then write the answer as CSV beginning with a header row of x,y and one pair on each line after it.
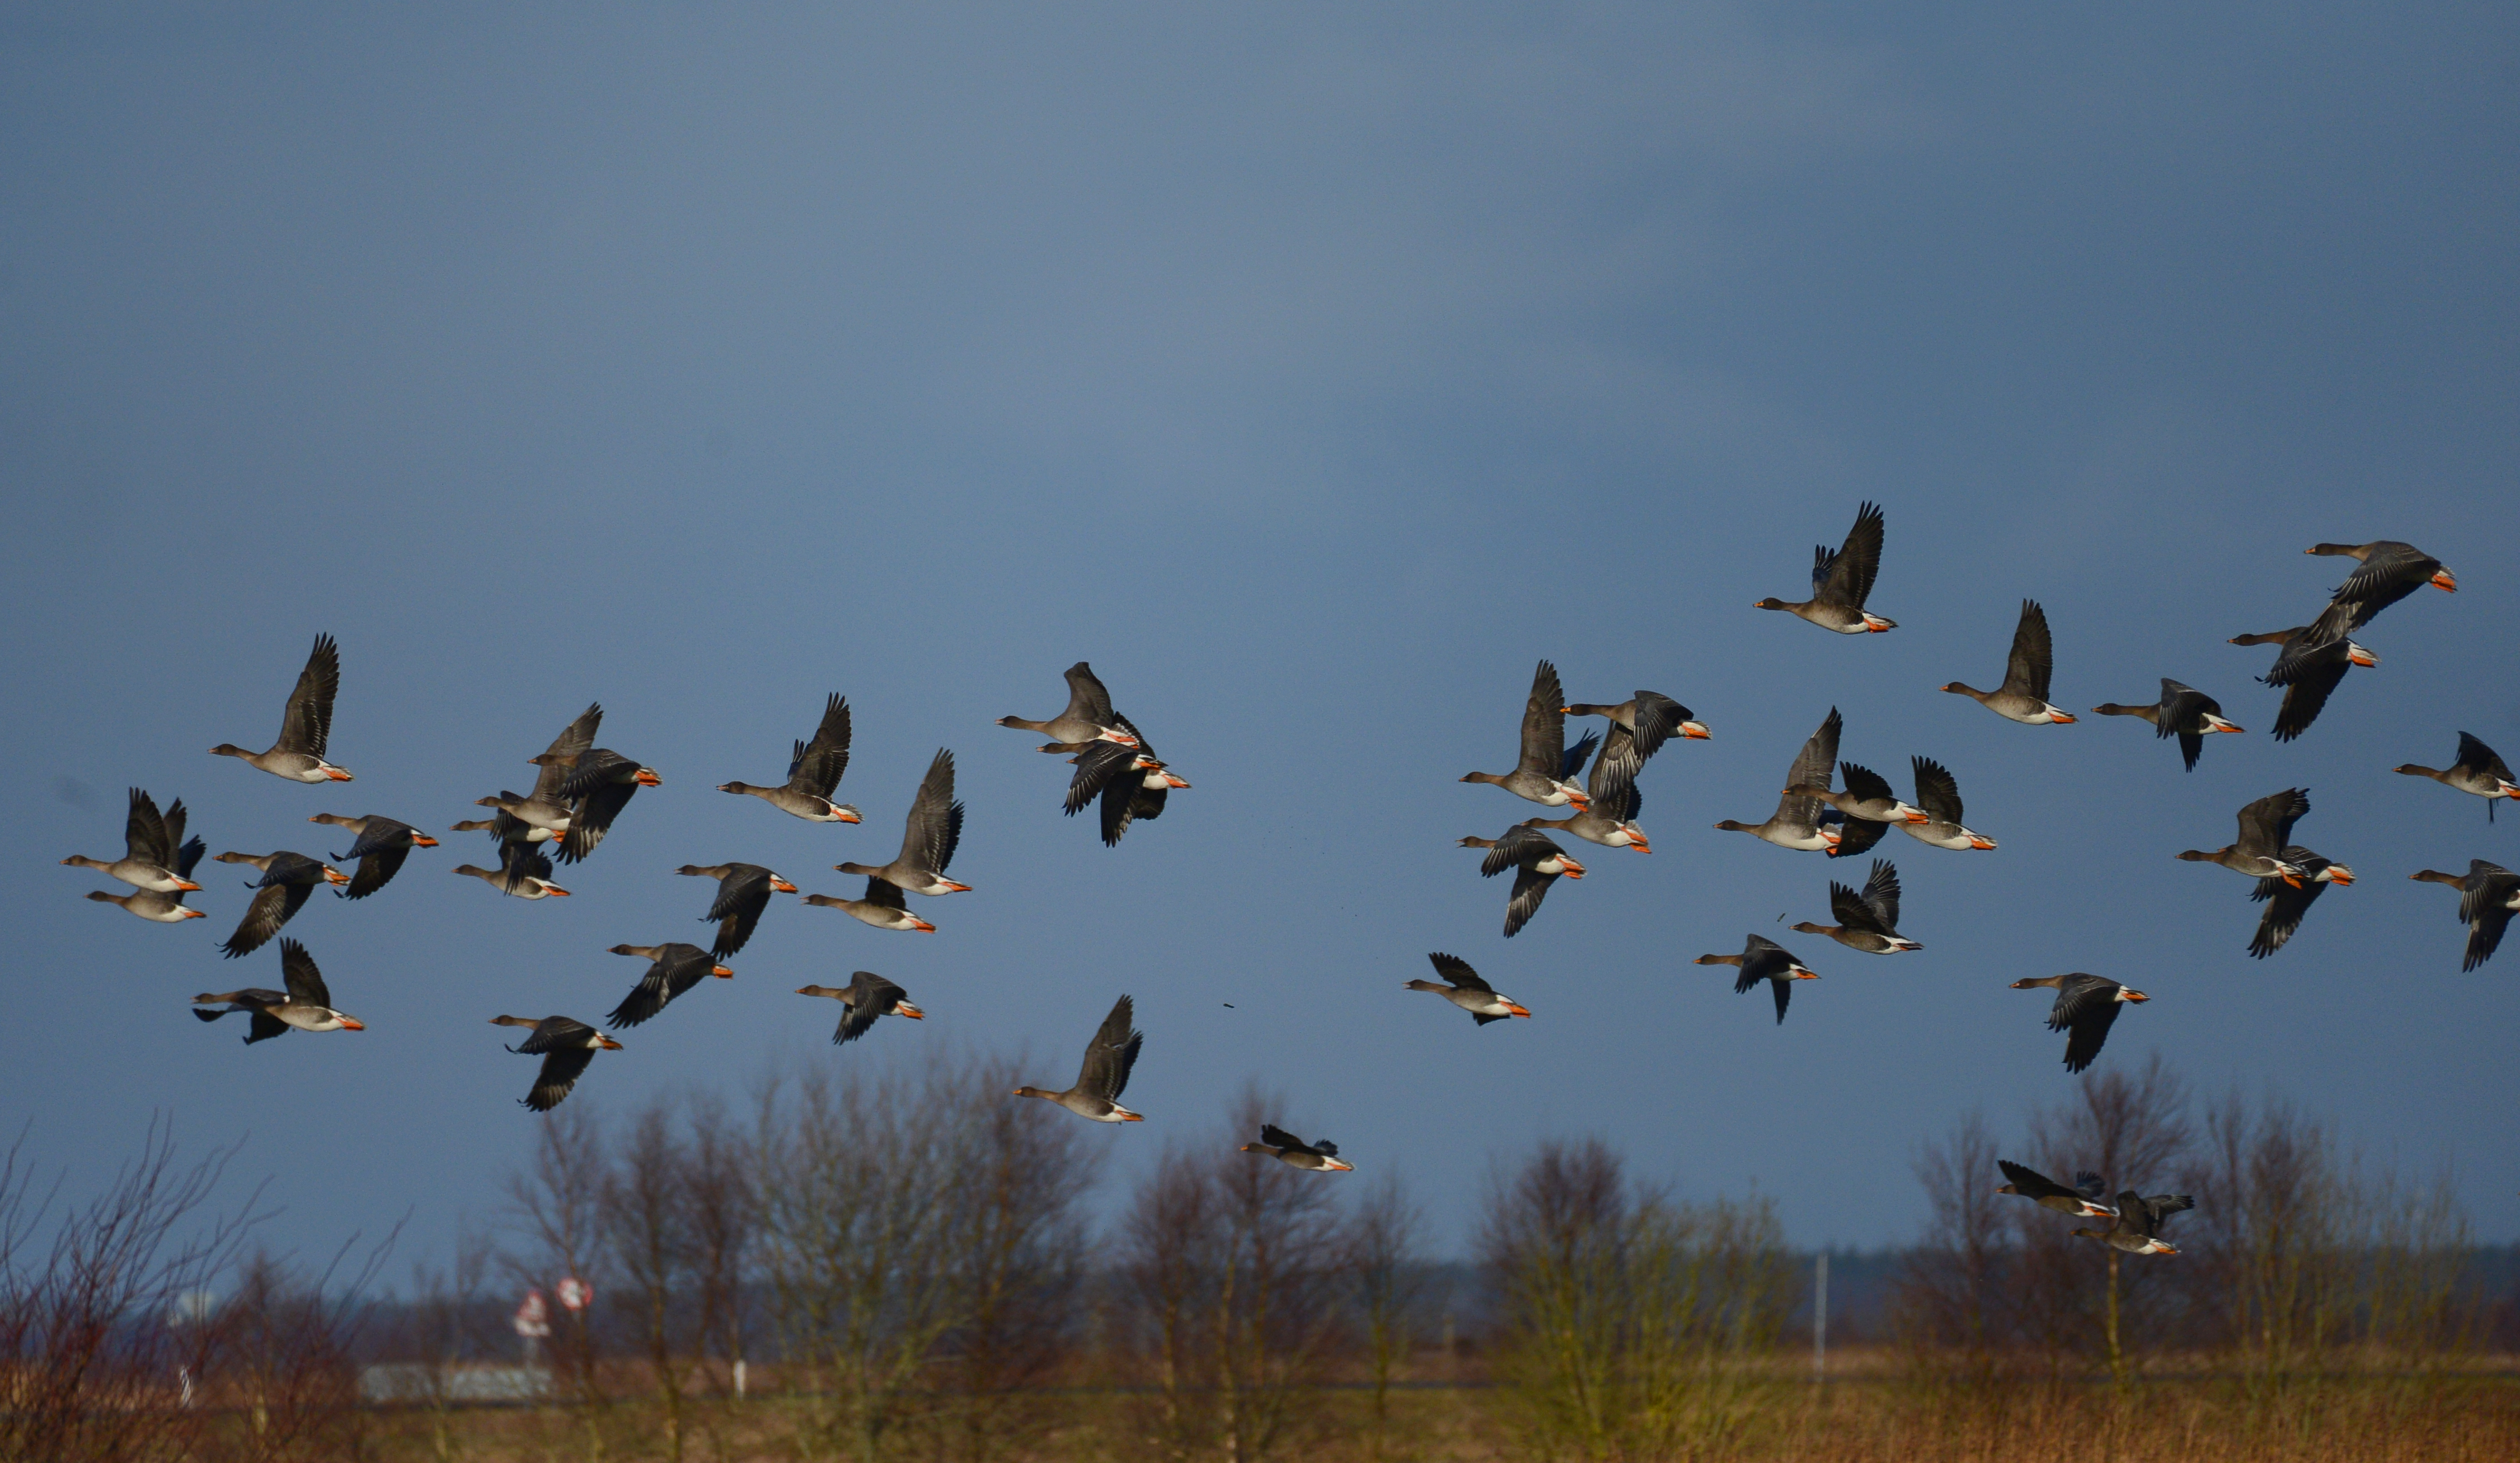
x,y
545,813
2183,712
2087,1006
1841,581
867,997
884,907
743,891
2389,572
288,880
306,1005
672,969
599,785
305,723
2287,902
1537,861
2488,897
1608,816
2307,668
1867,922
1108,1059
154,853
1795,825
1650,719
380,845
2023,696
2266,830
1132,783
929,837
1089,716
814,772
1467,989
566,1046
1938,792
1320,1157
2478,771
1763,959
523,871
1544,772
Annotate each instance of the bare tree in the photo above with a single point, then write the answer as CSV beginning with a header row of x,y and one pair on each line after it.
x,y
1169,1245
1954,1289
2134,1131
88,1292
1276,1306
282,1354
719,1192
1384,1268
557,1203
438,1331
644,1215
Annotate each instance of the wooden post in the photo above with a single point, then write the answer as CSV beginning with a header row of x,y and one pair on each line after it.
x,y
2117,1357
1819,1318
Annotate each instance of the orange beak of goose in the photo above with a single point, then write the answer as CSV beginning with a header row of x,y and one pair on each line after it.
x,y
353,1024
1920,816
608,1044
1574,870
2059,719
334,875
196,914
189,887
1517,1008
1695,732
1342,1167
2133,996
1831,837
905,1008
2361,657
1637,841
781,885
2444,579
923,926
1980,841
722,972
1172,781
646,779
847,815
555,891
1133,1117
2339,876
423,840
336,775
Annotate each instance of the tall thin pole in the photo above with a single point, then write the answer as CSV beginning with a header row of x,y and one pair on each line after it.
x,y
1819,1318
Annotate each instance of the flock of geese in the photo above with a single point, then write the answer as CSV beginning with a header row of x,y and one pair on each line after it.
x,y
1828,805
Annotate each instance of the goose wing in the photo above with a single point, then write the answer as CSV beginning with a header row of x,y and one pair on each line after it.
x,y
298,972
2034,653
1848,908
273,906
1573,759
383,844
2473,755
742,896
2389,573
884,894
143,833
1530,887
1277,1137
1458,974
1519,848
1811,765
564,751
674,970
870,996
2033,1184
2308,695
819,765
520,862
934,827
554,1033
1543,723
1612,786
1095,769
591,817
2285,904
1658,720
1846,576
306,722
2312,646
560,1070
1865,783
1085,695
1112,1052
2087,1006
2265,825
2486,905
190,854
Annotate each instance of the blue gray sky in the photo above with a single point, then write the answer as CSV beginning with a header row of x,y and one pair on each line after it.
x,y
1311,372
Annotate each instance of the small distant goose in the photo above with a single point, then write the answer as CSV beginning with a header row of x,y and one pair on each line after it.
x,y
884,907
1795,825
2390,571
2314,660
1319,1158
503,827
2487,899
2266,828
864,998
1466,989
160,909
1843,580
814,772
382,843
1608,816
2023,696
599,785
2081,1201
1650,718
743,891
928,836
1537,861
566,1046
1938,792
1087,719
287,879
2286,901
1132,783
521,872
1545,770
152,849
305,724
307,1004
1763,959
2477,770
1866,921
1105,1076
2135,1227
2183,711
672,970
2087,1006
